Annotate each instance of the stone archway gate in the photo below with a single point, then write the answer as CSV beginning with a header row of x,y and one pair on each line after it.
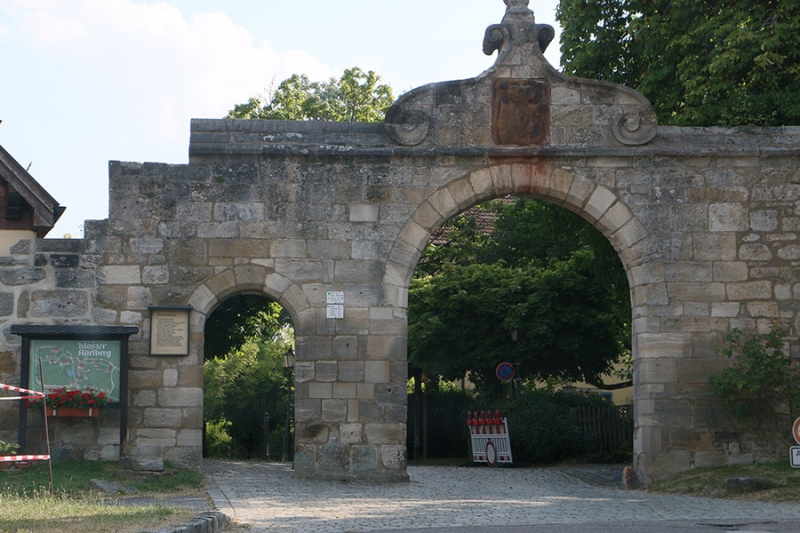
x,y
705,221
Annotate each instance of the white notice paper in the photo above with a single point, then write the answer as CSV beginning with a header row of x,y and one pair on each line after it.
x,y
335,297
335,311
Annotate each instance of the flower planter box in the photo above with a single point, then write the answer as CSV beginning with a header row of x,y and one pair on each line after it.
x,y
73,411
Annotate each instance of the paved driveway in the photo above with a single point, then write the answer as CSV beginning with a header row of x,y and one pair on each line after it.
x,y
266,497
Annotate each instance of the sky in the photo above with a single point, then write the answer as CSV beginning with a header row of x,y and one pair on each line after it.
x,y
85,82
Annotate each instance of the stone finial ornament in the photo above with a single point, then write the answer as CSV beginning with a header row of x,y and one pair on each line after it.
x,y
519,21
521,101
516,4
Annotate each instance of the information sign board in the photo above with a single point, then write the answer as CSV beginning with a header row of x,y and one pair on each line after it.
x,y
169,330
76,365
334,311
794,452
334,297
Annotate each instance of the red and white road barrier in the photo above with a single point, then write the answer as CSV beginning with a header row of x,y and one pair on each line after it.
x,y
490,439
15,458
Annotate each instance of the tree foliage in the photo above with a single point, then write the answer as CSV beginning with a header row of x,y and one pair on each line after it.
x,y
762,380
240,318
701,63
243,375
536,290
357,96
239,388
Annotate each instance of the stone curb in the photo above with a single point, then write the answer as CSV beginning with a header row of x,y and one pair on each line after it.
x,y
210,522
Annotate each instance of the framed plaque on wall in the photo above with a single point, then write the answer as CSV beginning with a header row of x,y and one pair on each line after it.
x,y
169,330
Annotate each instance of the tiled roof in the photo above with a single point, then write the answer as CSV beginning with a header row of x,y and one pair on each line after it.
x,y
44,209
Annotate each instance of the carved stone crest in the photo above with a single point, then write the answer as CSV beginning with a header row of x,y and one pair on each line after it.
x,y
521,112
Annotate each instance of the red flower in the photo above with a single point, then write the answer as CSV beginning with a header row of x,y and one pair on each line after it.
x,y
73,398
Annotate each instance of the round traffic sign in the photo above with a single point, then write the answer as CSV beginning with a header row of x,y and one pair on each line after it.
x,y
505,371
796,431
491,454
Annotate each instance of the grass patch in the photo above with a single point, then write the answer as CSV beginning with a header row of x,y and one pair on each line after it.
x,y
72,478
709,482
27,506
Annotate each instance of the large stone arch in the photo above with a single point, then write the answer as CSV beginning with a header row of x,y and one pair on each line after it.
x,y
562,186
595,203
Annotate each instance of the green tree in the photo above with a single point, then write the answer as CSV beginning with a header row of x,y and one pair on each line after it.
x,y
715,62
243,374
241,318
536,290
239,388
357,96
763,380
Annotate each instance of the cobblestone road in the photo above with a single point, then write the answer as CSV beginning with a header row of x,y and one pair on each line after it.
x,y
266,497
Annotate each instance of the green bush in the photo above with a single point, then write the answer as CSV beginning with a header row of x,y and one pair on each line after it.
x,y
762,385
542,424
218,441
544,429
239,388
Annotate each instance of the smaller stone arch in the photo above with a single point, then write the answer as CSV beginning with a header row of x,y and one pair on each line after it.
x,y
251,279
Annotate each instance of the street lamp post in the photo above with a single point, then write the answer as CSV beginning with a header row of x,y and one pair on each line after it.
x,y
288,363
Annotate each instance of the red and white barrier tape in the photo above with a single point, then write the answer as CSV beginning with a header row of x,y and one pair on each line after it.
x,y
14,458
33,393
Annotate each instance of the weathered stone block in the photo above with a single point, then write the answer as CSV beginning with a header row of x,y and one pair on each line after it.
x,y
363,213
144,379
744,485
351,371
365,459
393,457
385,433
6,303
344,390
335,458
376,371
756,290
728,217
170,377
326,371
350,433
730,271
180,397
334,410
755,252
59,303
714,247
150,437
304,371
190,437
307,410
320,390
21,276
162,418
119,275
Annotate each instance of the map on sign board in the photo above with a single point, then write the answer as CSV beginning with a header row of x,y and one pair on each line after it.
x,y
77,365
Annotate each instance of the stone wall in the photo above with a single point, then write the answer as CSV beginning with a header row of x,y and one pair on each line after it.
x,y
705,222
